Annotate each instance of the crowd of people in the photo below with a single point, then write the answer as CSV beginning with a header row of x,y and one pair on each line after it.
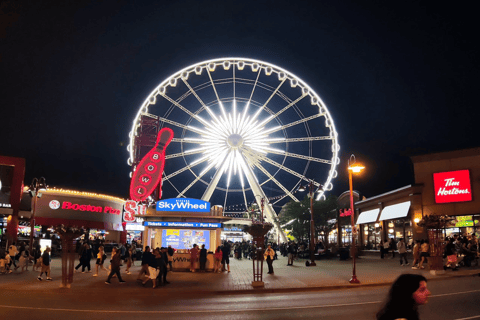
x,y
459,250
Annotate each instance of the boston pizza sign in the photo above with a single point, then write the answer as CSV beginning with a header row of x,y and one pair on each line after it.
x,y
452,186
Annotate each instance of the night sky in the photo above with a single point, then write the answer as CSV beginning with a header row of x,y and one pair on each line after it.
x,y
399,78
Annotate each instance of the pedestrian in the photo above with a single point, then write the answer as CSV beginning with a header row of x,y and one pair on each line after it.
x,y
226,256
13,251
152,268
170,252
203,258
3,263
218,259
392,246
402,251
128,258
424,253
115,266
163,267
291,253
45,265
416,254
407,293
269,255
147,255
101,257
386,245
451,256
193,257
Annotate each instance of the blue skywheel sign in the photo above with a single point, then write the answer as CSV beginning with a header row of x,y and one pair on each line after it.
x,y
183,205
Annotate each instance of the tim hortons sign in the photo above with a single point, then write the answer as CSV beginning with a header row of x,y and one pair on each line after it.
x,y
452,186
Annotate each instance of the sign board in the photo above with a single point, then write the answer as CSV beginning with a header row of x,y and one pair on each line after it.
x,y
132,208
6,179
184,239
182,224
452,186
183,205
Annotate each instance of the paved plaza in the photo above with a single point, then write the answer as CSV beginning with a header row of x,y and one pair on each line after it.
x,y
328,274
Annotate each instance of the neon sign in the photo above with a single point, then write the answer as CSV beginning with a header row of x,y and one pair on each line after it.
x,y
148,173
452,186
84,207
132,208
345,212
182,224
183,205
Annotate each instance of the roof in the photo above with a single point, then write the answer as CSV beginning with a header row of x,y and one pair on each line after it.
x,y
463,153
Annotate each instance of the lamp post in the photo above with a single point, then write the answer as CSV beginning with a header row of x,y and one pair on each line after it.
x,y
311,192
35,190
353,167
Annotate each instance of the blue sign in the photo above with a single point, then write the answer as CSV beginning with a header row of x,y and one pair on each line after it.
x,y
184,239
183,205
182,224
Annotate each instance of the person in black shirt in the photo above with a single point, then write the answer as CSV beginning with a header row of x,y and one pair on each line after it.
x,y
147,255
203,258
226,256
162,267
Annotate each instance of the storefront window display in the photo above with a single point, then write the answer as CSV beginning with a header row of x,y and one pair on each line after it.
x,y
372,236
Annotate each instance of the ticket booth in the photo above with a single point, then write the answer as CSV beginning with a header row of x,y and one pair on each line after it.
x,y
181,223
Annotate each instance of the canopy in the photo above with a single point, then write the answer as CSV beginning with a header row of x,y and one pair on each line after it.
x,y
368,216
395,211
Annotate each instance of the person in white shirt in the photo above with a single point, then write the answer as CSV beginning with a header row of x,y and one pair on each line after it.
x,y
13,251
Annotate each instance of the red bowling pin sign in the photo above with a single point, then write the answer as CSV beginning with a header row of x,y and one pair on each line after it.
x,y
148,173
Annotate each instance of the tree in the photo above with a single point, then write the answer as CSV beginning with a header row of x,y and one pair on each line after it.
x,y
298,213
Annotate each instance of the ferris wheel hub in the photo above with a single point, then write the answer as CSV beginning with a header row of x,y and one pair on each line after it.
x,y
235,140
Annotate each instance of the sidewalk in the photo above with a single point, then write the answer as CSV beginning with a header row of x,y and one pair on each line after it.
x,y
328,274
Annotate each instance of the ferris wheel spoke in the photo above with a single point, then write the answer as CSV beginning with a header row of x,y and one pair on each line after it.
x,y
278,165
299,139
194,92
178,105
187,167
181,154
299,156
265,171
289,106
291,124
197,178
268,100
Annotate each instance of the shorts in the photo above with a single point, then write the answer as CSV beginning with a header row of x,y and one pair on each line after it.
x,y
424,254
226,260
99,262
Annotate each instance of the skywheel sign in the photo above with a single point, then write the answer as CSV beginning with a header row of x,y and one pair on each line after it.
x,y
183,205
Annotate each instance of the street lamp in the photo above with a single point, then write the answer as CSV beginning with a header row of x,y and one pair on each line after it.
x,y
312,189
35,190
356,168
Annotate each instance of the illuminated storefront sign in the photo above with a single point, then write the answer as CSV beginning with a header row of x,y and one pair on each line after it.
x,y
183,205
466,221
132,208
184,239
182,224
452,186
66,205
345,212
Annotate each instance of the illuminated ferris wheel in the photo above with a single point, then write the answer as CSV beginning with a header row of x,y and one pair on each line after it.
x,y
243,130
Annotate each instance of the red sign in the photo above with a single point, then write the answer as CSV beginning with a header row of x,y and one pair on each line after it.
x,y
82,207
345,212
148,173
132,208
452,186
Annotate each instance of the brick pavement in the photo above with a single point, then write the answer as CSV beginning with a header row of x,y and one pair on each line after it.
x,y
328,274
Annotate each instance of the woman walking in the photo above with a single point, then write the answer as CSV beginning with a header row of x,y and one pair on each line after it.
x,y
128,258
407,293
101,257
218,259
424,252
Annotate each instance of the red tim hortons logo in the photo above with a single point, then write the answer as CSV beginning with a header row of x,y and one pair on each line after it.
x,y
452,186
148,173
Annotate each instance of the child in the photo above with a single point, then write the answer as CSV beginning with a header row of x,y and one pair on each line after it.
x,y
9,263
45,259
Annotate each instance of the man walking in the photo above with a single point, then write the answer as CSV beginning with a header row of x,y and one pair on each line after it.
x,y
45,265
269,255
147,255
115,265
402,251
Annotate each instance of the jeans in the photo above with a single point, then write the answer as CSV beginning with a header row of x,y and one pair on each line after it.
x,y
403,256
117,272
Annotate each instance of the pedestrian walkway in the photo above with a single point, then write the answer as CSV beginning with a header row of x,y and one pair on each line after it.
x,y
327,274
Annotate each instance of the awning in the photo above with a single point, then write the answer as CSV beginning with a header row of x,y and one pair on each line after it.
x,y
395,211
368,216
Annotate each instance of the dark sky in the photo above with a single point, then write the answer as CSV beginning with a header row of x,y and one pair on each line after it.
x,y
399,78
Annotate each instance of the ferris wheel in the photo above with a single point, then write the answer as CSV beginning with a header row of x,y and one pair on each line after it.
x,y
243,129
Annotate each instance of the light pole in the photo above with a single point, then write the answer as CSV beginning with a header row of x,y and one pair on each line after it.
x,y
311,192
353,167
35,190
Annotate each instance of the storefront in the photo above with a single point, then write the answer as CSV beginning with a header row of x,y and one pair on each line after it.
x,y
445,185
100,214
180,223
451,185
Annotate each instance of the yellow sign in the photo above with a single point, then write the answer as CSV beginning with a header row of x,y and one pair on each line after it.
x,y
173,232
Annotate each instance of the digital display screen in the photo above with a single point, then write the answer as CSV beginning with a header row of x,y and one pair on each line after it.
x,y
184,239
6,179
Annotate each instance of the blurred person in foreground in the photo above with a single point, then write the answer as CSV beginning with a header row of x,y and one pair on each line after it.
x,y
407,293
